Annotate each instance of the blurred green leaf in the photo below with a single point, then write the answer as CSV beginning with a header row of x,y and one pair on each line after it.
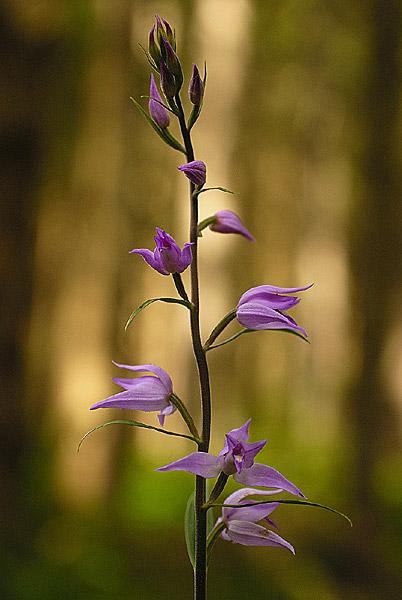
x,y
284,501
148,302
236,335
135,424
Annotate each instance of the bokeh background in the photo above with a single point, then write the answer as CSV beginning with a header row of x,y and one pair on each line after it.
x,y
302,117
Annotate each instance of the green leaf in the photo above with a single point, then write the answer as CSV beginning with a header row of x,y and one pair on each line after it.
x,y
161,103
284,501
189,529
222,189
149,58
136,424
163,133
189,526
148,302
236,335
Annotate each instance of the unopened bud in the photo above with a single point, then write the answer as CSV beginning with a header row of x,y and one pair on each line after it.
x,y
196,87
170,35
152,47
160,34
167,80
195,171
172,62
158,113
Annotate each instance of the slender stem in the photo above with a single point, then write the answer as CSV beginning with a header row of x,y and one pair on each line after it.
x,y
200,571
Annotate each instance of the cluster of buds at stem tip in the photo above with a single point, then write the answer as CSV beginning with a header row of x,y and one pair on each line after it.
x,y
162,56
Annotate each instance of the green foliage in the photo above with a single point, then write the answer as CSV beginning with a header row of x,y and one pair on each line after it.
x,y
135,424
148,302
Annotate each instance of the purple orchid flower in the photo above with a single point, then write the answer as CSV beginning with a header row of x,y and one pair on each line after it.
x,y
263,308
236,458
167,258
146,393
241,523
227,221
195,171
158,113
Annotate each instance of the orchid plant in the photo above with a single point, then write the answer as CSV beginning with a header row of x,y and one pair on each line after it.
x,y
264,307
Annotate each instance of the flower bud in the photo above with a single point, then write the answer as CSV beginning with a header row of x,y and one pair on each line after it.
x,y
196,87
195,171
158,113
172,62
227,221
152,47
170,35
167,80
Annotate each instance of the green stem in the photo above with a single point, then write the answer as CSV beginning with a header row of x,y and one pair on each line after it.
x,y
200,571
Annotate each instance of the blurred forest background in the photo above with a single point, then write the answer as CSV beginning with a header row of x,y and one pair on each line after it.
x,y
302,117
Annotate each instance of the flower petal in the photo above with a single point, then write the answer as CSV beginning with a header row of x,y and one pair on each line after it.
x,y
199,463
266,476
186,257
158,371
228,222
241,433
251,534
169,410
131,400
257,316
195,171
260,296
158,113
272,289
149,258
243,514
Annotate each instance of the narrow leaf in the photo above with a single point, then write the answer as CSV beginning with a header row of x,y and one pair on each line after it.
x,y
285,501
136,424
189,526
189,529
222,189
167,138
161,103
149,58
148,302
236,335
